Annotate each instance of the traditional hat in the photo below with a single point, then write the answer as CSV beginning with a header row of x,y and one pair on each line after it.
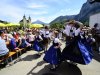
x,y
56,32
72,22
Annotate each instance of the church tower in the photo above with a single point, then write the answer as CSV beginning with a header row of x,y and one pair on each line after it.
x,y
29,21
24,21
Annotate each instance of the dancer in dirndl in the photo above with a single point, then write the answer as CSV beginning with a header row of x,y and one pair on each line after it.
x,y
37,43
78,50
53,55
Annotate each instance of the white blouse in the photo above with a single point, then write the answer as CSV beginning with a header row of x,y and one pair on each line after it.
x,y
77,32
56,40
46,34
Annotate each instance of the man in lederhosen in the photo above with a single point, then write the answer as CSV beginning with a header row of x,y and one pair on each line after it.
x,y
69,31
46,38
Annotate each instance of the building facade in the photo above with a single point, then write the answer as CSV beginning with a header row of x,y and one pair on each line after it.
x,y
24,23
95,18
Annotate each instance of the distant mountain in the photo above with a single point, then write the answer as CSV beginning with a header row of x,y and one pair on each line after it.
x,y
1,21
87,10
84,14
38,22
62,18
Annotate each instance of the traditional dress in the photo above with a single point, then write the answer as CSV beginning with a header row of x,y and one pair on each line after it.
x,y
69,31
18,42
12,44
78,50
37,44
53,55
96,36
23,43
31,38
46,37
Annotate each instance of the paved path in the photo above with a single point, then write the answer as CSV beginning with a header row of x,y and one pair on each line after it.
x,y
34,65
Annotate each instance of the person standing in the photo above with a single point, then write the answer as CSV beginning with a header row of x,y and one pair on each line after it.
x,y
37,43
46,38
69,31
78,51
96,36
53,55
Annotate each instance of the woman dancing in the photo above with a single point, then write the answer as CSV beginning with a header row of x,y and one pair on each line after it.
x,y
53,55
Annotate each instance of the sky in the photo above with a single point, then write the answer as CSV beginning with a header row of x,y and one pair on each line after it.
x,y
44,10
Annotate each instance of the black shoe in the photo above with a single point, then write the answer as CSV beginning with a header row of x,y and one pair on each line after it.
x,y
72,63
58,66
2,65
52,69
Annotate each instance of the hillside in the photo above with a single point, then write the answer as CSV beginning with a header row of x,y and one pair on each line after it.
x,y
84,14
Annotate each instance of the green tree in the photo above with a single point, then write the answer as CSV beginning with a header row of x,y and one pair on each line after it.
x,y
58,25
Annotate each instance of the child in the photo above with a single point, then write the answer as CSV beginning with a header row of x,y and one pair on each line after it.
x,y
53,55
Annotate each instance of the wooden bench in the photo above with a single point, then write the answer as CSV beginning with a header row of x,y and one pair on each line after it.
x,y
9,56
18,51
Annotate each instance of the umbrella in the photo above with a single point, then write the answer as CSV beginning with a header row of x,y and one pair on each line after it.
x,y
2,25
36,25
12,24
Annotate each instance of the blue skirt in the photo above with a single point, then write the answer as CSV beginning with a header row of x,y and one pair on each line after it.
x,y
36,46
79,52
53,56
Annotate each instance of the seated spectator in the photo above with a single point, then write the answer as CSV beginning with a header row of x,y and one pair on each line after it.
x,y
18,40
3,48
24,43
31,38
12,42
